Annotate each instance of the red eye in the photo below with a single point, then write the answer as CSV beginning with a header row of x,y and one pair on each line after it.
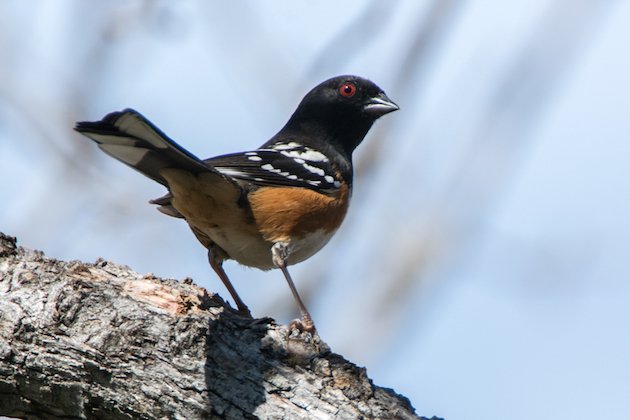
x,y
348,90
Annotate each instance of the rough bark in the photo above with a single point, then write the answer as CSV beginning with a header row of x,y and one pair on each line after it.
x,y
98,340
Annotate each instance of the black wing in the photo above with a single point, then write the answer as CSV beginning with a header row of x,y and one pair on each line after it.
x,y
295,167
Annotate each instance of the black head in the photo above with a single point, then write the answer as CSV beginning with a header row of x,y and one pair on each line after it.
x,y
340,111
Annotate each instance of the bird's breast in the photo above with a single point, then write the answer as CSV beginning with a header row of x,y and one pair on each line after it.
x,y
302,218
288,214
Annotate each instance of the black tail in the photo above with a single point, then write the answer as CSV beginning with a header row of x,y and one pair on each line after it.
x,y
132,139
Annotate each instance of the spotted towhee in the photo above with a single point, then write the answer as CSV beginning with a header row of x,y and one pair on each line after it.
x,y
270,207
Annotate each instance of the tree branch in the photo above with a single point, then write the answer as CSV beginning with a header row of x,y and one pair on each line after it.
x,y
98,340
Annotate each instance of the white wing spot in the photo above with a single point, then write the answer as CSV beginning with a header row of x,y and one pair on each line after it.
x,y
329,179
313,155
286,146
291,153
313,169
308,154
255,158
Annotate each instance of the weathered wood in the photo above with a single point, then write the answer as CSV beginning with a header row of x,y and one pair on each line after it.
x,y
98,340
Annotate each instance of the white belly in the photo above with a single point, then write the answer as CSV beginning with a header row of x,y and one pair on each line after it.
x,y
256,252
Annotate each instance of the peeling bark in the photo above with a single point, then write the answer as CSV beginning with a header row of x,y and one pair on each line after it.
x,y
98,340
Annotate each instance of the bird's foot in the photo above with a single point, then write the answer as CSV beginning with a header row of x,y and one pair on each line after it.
x,y
302,325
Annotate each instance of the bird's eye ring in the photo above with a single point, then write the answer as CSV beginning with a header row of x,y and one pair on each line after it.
x,y
348,90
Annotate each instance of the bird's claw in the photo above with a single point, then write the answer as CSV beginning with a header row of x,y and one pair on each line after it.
x,y
302,325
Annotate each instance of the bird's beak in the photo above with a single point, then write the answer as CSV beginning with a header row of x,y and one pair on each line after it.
x,y
380,105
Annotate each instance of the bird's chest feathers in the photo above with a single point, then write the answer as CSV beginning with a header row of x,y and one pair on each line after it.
x,y
300,217
290,214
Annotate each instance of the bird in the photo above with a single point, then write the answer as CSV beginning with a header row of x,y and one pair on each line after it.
x,y
270,207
